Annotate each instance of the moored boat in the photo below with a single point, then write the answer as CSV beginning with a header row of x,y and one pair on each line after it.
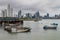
x,y
52,26
16,29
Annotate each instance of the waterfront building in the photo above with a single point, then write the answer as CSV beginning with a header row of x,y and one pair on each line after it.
x,y
56,16
4,13
33,16
19,14
9,11
46,16
59,15
28,15
37,15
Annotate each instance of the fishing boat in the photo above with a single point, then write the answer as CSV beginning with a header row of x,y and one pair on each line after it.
x,y
15,29
52,26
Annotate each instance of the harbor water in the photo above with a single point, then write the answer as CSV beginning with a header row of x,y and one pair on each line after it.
x,y
37,31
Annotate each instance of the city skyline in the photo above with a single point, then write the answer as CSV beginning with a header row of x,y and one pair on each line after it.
x,y
9,13
44,6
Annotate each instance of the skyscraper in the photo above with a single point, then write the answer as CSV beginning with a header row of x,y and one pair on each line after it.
x,y
47,14
19,14
37,15
10,11
28,15
4,13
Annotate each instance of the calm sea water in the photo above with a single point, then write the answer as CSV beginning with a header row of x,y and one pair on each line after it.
x,y
37,32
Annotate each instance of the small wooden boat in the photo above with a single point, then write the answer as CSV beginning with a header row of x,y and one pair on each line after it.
x,y
17,30
52,26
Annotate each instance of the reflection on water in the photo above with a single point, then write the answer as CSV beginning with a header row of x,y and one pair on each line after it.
x,y
37,32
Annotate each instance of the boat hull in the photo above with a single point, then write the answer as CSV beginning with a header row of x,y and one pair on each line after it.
x,y
14,30
49,27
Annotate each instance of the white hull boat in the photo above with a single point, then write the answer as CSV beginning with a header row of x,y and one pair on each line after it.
x,y
52,26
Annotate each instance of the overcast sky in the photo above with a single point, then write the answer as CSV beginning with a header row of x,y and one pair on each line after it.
x,y
43,6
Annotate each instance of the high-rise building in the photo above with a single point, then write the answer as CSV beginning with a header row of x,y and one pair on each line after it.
x,y
37,15
10,11
56,16
4,13
19,14
28,15
47,14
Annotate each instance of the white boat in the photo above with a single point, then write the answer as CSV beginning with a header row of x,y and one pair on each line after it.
x,y
52,26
